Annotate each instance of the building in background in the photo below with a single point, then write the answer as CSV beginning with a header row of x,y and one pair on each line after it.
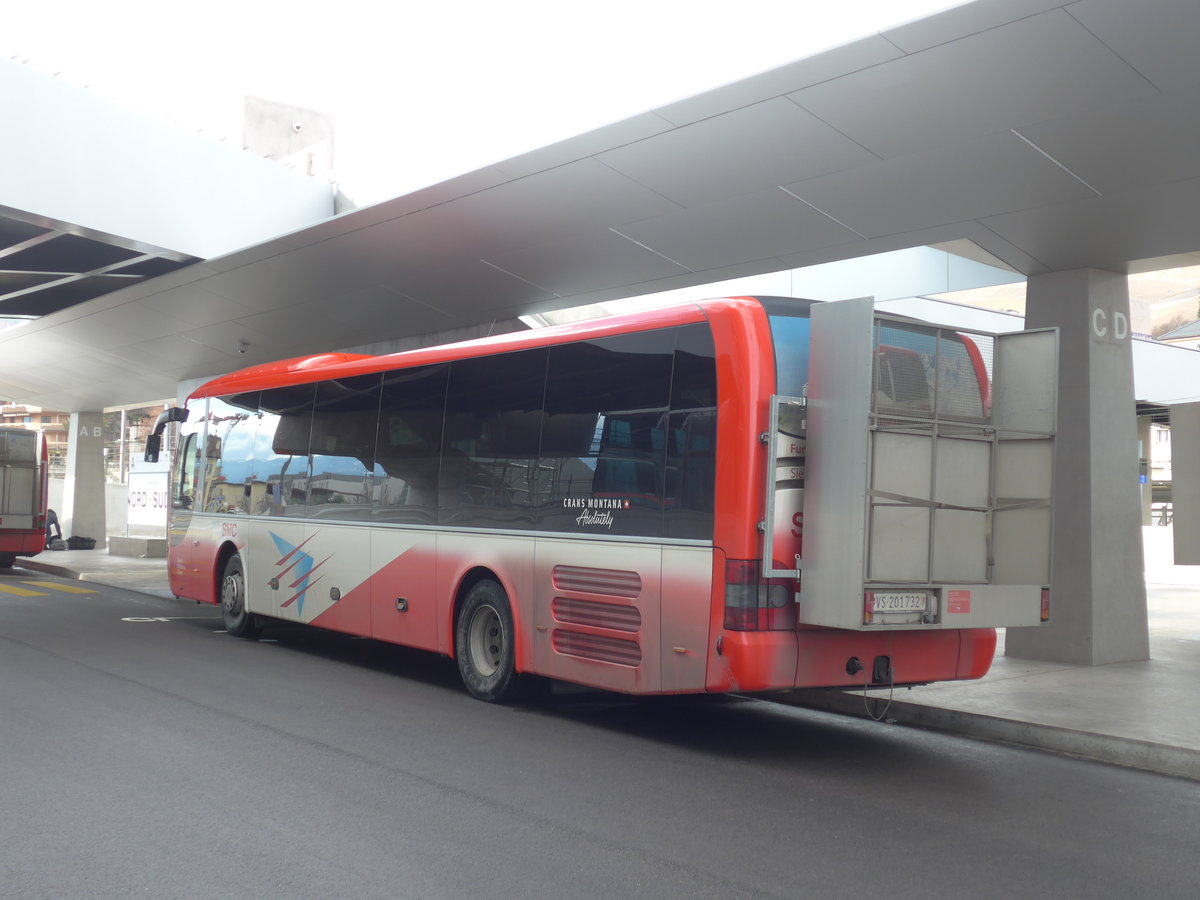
x,y
125,433
50,422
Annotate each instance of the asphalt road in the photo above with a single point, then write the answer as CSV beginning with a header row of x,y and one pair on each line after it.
x,y
144,753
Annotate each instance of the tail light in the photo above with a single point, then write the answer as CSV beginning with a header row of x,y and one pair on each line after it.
x,y
1045,604
754,603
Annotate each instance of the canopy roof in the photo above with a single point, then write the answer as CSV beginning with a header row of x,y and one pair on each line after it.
x,y
1050,135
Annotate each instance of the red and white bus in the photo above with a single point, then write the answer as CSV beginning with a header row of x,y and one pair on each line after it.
x,y
589,503
23,481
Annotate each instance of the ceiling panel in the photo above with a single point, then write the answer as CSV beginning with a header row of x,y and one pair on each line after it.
x,y
1132,225
585,145
870,51
954,184
1118,147
554,204
196,307
963,21
739,230
227,337
90,368
760,146
1157,38
294,324
128,324
260,286
132,364
586,262
1008,77
455,292
431,238
360,306
705,276
384,318
178,353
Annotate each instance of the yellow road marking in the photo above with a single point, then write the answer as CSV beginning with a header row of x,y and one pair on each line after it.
x,y
69,588
20,591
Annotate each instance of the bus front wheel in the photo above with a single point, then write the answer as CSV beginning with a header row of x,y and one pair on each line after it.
x,y
483,643
238,621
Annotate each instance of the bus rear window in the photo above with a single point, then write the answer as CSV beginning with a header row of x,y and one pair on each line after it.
x,y
790,336
917,363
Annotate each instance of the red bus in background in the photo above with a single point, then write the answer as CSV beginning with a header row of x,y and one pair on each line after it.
x,y
584,502
23,494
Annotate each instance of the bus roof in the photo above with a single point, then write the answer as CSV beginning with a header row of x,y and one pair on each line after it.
x,y
325,366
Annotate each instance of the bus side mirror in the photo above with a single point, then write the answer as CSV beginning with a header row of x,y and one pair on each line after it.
x,y
153,448
154,438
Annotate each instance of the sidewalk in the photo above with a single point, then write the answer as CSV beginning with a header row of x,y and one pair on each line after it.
x,y
1140,714
148,576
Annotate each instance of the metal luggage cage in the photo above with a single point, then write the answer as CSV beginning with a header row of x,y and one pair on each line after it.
x,y
926,465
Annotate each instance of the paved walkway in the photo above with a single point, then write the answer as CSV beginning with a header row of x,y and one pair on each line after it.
x,y
1141,714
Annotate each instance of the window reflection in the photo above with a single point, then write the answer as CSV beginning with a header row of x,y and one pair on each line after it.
x,y
408,443
342,448
612,436
490,450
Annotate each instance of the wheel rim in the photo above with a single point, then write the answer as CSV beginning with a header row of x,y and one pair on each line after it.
x,y
231,594
485,640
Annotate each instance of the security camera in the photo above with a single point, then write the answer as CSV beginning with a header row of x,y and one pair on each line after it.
x,y
297,127
243,347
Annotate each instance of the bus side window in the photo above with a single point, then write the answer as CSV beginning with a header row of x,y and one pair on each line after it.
x,y
692,436
229,451
279,480
490,440
604,441
408,445
342,447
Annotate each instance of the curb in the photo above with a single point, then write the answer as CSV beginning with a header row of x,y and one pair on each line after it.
x,y
1164,759
99,578
49,569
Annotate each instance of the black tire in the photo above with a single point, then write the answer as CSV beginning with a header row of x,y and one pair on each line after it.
x,y
238,622
7,560
484,644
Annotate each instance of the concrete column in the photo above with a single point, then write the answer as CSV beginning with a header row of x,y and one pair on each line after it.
x,y
1097,591
83,489
1144,435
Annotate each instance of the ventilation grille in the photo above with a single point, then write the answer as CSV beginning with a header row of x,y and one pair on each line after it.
x,y
596,614
619,651
607,582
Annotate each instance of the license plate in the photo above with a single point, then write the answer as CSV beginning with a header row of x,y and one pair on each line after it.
x,y
900,601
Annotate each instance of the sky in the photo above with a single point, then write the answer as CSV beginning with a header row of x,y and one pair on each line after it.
x,y
424,91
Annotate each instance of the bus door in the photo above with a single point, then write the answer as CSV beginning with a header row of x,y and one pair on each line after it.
x,y
188,570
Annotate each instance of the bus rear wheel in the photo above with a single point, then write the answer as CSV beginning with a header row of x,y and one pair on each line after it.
x,y
7,560
484,645
238,621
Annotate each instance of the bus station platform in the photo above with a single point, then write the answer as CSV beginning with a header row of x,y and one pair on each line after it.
x,y
1140,714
